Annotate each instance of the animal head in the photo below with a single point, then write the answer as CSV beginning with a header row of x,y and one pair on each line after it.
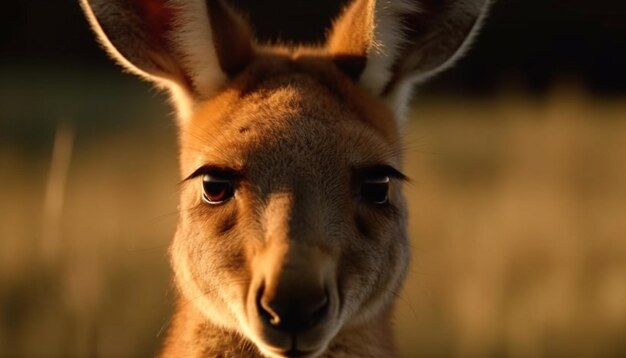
x,y
292,219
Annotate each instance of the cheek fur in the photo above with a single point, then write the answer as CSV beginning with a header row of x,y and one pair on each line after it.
x,y
367,274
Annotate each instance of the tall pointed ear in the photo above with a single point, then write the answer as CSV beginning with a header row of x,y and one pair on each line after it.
x,y
352,38
388,46
190,47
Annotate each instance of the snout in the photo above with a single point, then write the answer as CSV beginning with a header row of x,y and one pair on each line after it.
x,y
293,310
293,304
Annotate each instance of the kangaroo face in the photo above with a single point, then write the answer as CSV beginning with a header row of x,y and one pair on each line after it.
x,y
309,233
292,220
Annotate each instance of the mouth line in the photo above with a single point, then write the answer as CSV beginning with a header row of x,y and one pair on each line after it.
x,y
294,353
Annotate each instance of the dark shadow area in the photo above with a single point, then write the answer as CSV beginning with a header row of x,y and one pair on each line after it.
x,y
531,43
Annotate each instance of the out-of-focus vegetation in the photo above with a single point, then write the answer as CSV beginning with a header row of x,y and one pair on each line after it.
x,y
517,206
518,220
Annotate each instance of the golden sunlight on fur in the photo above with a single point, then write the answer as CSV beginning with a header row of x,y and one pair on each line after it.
x,y
292,235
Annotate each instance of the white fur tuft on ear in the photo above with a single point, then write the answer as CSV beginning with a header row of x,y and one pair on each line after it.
x,y
171,43
193,40
388,37
411,41
449,38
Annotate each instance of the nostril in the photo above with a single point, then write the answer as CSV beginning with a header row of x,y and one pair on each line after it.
x,y
266,312
291,313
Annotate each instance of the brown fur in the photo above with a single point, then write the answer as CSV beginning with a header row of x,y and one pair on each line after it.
x,y
318,117
296,124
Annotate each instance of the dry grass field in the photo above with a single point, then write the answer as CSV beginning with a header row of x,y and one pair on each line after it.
x,y
517,206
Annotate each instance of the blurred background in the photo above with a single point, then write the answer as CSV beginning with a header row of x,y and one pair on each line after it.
x,y
517,204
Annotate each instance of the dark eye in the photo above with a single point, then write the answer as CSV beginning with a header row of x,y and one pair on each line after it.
x,y
375,190
216,190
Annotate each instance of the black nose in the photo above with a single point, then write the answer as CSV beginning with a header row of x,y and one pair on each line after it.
x,y
294,312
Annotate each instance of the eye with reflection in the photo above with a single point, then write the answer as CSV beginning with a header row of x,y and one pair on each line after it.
x,y
375,190
216,190
372,182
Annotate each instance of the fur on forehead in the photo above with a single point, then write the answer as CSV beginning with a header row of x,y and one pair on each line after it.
x,y
309,83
